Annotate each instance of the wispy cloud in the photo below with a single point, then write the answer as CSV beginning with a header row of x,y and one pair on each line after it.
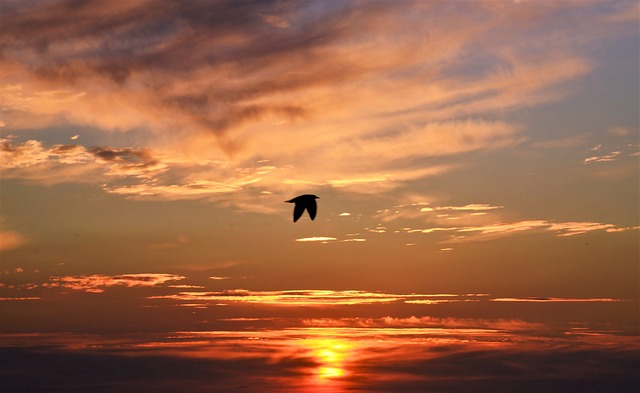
x,y
603,158
440,214
479,221
322,239
11,239
471,207
19,299
218,278
310,297
327,239
555,300
502,229
600,153
427,322
316,82
97,283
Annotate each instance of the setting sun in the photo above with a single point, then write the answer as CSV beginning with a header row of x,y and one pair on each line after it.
x,y
330,353
330,372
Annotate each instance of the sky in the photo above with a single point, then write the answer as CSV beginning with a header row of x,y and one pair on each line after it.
x,y
476,164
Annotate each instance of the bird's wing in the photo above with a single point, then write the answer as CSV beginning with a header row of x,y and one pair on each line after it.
x,y
312,208
298,210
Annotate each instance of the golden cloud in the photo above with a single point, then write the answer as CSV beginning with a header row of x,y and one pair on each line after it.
x,y
304,297
219,98
97,283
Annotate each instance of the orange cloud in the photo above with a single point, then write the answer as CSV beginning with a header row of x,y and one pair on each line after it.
x,y
389,89
608,154
305,297
16,299
322,239
65,163
427,322
555,300
488,226
97,283
10,239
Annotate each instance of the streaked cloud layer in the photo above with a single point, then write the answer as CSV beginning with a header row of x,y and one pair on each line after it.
x,y
96,283
335,80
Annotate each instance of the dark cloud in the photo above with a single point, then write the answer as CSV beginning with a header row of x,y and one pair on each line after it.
x,y
121,155
38,369
164,43
524,370
128,160
65,149
226,362
115,39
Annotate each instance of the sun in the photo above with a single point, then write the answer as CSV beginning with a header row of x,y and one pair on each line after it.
x,y
330,372
331,354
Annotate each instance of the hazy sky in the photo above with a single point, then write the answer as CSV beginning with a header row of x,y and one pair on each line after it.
x,y
482,147
476,163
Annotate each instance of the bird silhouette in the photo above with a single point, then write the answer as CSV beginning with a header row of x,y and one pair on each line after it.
x,y
306,201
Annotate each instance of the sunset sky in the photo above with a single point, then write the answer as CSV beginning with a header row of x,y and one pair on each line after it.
x,y
476,163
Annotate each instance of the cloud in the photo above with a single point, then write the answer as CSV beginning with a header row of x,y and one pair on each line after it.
x,y
310,297
10,239
217,278
426,322
556,300
603,158
127,161
323,239
169,244
471,207
429,211
24,155
608,154
562,229
220,86
75,163
327,239
479,221
577,228
501,229
18,299
619,131
562,143
97,283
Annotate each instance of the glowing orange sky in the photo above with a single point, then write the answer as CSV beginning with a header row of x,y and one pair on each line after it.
x,y
476,163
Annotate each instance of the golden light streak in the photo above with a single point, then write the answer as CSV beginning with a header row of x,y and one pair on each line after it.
x,y
97,282
309,297
554,299
322,239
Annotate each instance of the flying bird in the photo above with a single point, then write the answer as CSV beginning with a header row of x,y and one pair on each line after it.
x,y
306,201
